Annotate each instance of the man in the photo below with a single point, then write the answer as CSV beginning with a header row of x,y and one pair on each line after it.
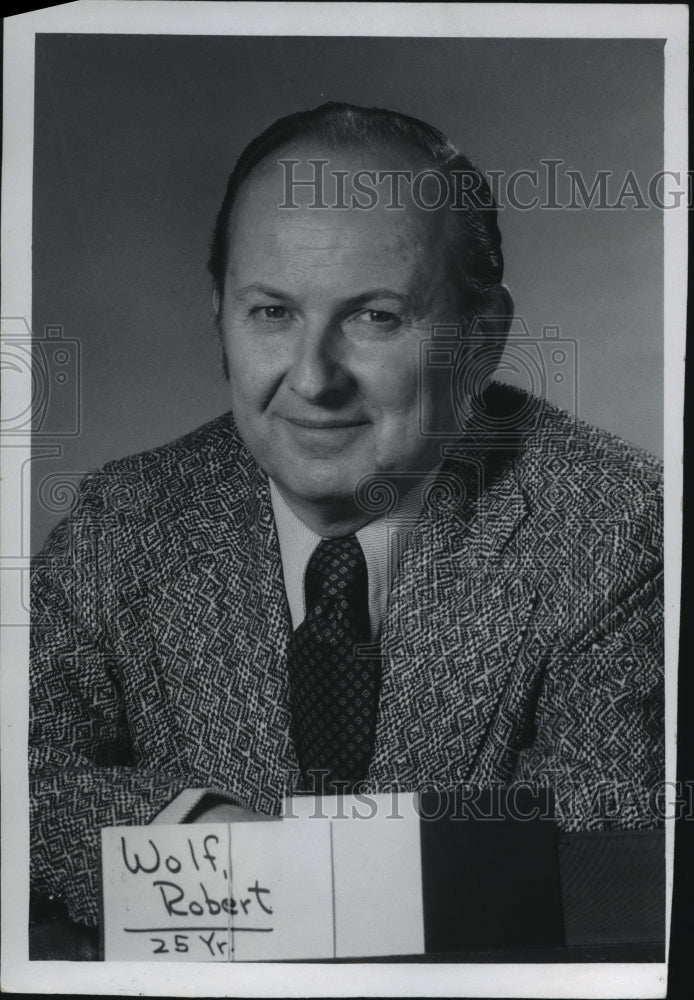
x,y
376,571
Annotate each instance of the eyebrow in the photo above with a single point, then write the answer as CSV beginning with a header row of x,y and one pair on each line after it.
x,y
382,293
247,290
354,300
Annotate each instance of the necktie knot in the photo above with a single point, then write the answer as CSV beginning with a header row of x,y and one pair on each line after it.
x,y
336,570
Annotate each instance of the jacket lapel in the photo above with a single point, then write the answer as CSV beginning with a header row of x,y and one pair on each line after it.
x,y
453,627
221,626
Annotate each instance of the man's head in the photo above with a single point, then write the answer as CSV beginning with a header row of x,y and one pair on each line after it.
x,y
325,292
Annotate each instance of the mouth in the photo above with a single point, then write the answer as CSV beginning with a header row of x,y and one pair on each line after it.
x,y
323,437
331,424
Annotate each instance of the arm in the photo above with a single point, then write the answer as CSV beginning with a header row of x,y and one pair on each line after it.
x,y
83,768
599,726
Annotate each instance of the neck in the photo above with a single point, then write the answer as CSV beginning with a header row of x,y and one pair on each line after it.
x,y
330,520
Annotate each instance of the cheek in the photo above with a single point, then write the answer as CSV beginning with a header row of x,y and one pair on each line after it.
x,y
393,385
437,388
252,369
243,382
396,397
418,410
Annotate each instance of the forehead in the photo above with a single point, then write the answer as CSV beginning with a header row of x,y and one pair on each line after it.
x,y
278,216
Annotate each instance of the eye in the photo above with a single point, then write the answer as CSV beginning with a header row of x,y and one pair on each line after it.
x,y
380,316
373,324
382,319
270,313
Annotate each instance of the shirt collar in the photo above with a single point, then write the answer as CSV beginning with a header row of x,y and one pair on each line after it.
x,y
382,541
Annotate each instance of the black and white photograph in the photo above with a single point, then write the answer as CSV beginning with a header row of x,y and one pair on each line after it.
x,y
342,359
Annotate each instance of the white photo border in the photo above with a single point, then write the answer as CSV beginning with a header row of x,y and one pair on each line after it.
x,y
668,22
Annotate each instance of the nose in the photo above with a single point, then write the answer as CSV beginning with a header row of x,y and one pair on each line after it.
x,y
317,371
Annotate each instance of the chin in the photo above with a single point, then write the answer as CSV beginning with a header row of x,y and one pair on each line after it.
x,y
327,485
325,492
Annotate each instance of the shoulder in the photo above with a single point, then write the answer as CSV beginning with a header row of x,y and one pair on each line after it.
x,y
571,472
167,483
209,447
548,442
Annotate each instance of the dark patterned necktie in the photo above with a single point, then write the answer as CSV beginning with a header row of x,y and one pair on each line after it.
x,y
334,690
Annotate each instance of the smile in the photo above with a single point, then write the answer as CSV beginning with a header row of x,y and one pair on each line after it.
x,y
323,438
324,425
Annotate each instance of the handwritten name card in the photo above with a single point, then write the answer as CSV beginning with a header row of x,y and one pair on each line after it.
x,y
308,887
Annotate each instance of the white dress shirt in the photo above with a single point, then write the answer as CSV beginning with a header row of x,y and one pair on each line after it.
x,y
382,541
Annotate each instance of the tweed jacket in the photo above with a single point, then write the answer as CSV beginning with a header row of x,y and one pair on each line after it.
x,y
522,641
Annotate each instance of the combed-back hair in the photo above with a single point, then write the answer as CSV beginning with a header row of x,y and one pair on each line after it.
x,y
474,243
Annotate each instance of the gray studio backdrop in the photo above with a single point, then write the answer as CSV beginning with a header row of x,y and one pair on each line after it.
x,y
135,137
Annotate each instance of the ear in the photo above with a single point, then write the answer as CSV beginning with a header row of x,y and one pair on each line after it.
x,y
505,305
491,326
216,305
497,312
486,339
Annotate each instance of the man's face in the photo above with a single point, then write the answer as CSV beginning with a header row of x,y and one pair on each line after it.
x,y
322,318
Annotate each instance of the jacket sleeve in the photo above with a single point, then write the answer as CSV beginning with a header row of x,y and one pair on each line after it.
x,y
599,719
83,768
